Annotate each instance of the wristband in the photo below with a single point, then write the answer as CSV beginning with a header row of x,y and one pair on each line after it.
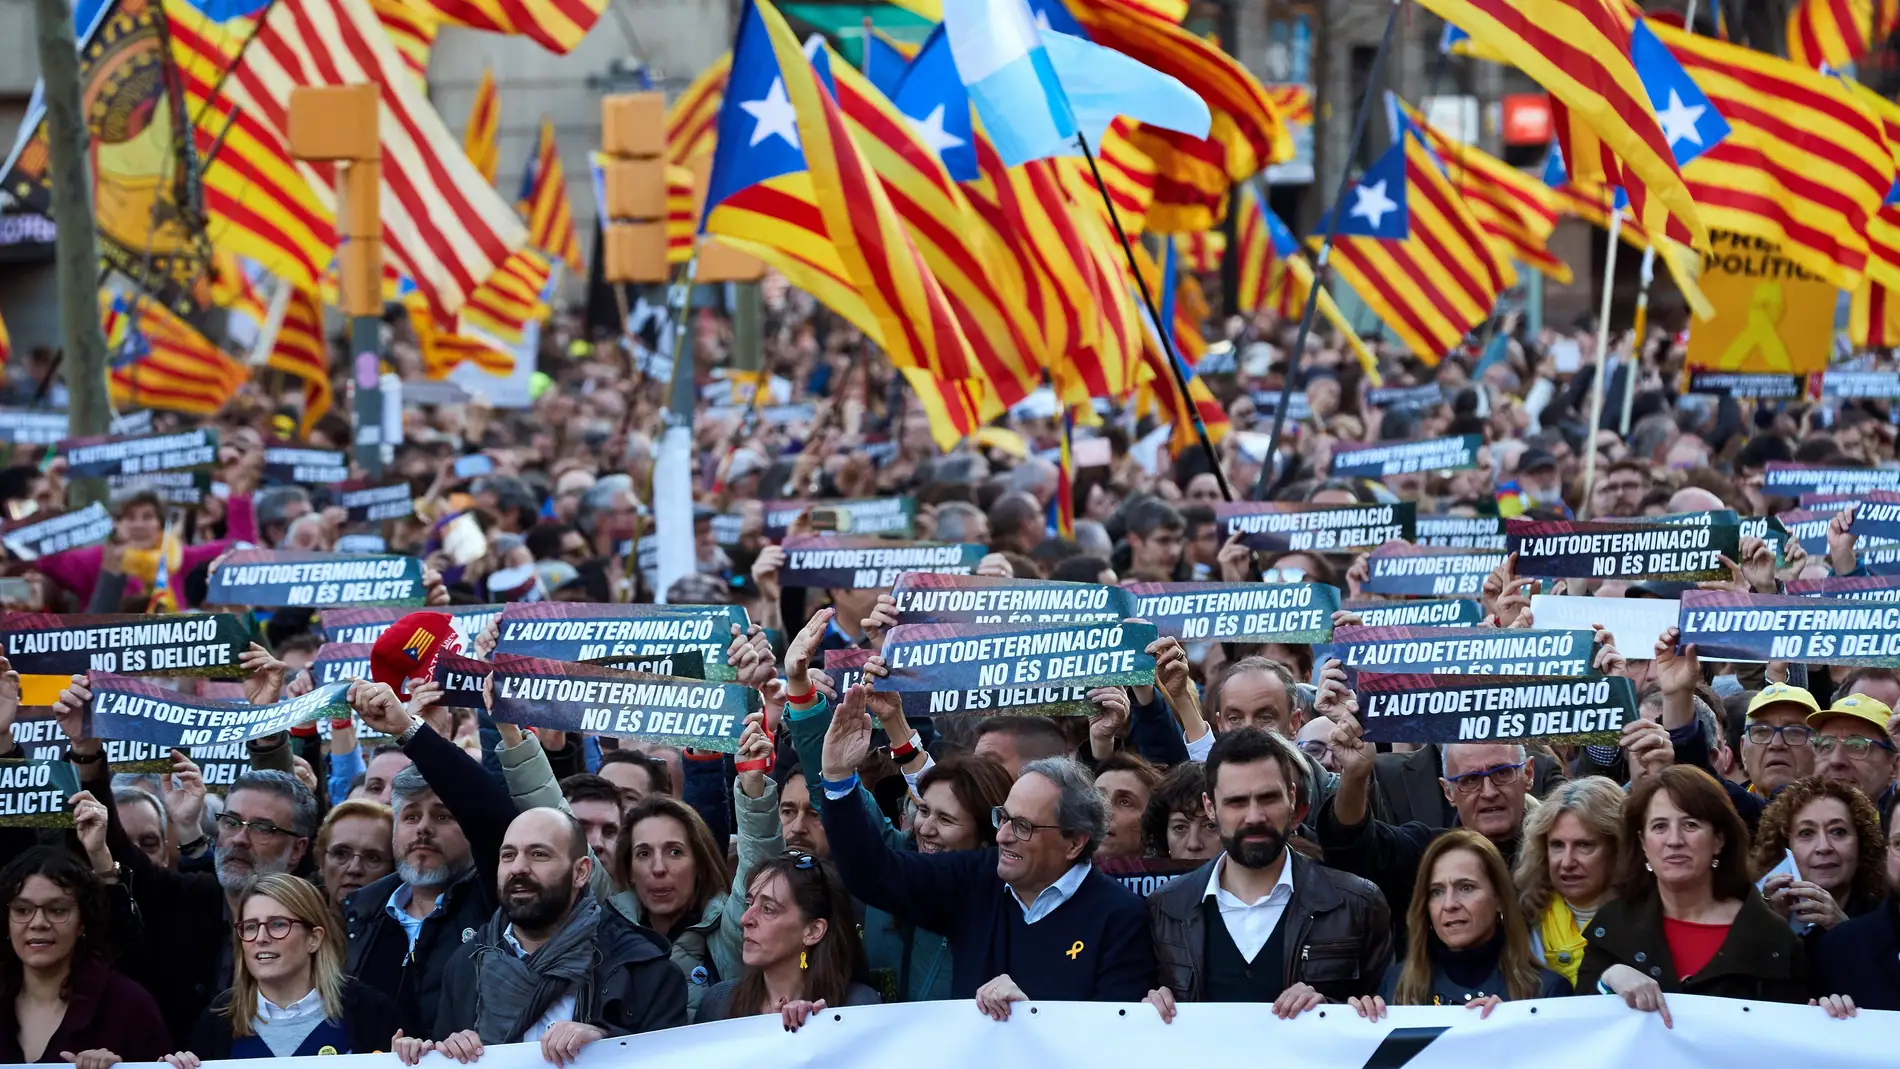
x,y
763,764
341,723
910,749
838,788
800,699
1603,988
305,730
81,759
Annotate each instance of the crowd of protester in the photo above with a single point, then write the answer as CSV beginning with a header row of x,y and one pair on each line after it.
x,y
461,883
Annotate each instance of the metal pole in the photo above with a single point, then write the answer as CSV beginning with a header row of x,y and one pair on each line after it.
x,y
1603,348
1165,330
1323,261
1637,331
76,250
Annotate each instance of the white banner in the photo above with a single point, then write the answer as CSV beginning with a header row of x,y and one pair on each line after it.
x,y
1586,1032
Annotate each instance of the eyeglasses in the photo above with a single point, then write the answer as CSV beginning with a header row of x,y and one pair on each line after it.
x,y
278,927
56,912
1021,827
1856,745
340,856
1791,734
229,823
1501,776
1316,749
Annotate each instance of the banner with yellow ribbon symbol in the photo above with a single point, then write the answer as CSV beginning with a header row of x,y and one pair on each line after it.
x,y
1770,314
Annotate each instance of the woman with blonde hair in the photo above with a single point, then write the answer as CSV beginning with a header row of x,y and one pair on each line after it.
x,y
1567,866
289,996
1466,941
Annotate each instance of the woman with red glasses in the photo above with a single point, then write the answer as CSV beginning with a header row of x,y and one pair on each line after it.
x,y
289,996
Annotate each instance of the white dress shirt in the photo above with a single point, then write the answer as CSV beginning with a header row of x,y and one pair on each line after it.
x,y
1251,925
562,1010
1053,895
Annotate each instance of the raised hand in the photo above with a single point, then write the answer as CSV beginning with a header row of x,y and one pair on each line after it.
x,y
263,675
804,648
848,739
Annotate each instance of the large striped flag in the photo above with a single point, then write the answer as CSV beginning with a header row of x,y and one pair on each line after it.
x,y
1874,319
484,128
1517,211
504,305
443,351
682,221
1293,101
1273,275
1805,164
781,125
692,120
412,29
443,227
164,362
544,202
557,25
954,407
300,352
1579,50
1595,205
1838,32
1883,229
1412,251
1160,391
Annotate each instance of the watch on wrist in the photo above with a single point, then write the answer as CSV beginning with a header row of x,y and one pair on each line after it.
x,y
415,725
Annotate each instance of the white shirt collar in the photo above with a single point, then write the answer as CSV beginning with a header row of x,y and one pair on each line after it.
x,y
1053,896
1226,897
270,1011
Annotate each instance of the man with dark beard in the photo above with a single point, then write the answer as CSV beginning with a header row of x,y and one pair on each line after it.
x,y
551,966
1262,923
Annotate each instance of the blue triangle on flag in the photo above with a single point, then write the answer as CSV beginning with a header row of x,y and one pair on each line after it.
x,y
1375,206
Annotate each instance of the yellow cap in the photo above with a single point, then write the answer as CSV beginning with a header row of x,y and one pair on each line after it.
x,y
1776,693
1860,707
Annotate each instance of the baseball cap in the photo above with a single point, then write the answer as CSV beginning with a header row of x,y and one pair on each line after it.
x,y
1533,459
1777,693
1860,707
409,649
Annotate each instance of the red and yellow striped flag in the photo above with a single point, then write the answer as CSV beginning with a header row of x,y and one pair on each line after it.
x,y
1517,211
1805,164
1883,228
1874,320
231,288
1579,50
1274,276
1127,171
954,407
682,214
178,369
300,352
545,204
1438,283
557,25
484,127
412,30
443,351
510,299
1201,253
1293,101
1835,32
692,121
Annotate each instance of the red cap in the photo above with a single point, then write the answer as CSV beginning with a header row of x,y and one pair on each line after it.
x,y
408,650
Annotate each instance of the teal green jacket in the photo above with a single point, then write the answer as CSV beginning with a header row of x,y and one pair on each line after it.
x,y
907,963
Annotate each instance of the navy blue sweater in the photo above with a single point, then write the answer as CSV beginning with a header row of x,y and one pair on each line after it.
x,y
1093,948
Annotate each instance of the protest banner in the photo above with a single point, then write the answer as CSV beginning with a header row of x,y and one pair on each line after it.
x,y
285,578
1742,385
363,543
39,735
33,794
728,528
1877,516
1457,453
1402,568
1771,314
893,516
867,562
220,765
287,463
938,657
103,455
1809,528
1704,518
1836,502
340,662
1429,395
1765,528
1787,479
1298,408
1461,532
1635,623
22,426
1238,612
1293,527
194,644
537,692
1145,875
846,667
366,625
38,536
1880,560
1466,651
1852,587
1870,385
170,487
597,633
1591,549
1442,612
928,598
1724,626
138,711
462,680
374,504
1414,707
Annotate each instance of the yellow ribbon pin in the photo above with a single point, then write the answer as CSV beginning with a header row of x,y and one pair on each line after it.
x,y
1075,950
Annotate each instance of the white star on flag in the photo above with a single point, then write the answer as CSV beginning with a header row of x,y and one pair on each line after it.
x,y
774,114
930,129
1371,204
1679,119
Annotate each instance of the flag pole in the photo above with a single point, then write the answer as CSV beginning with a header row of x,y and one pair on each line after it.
x,y
1637,330
1166,330
1323,261
1603,348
